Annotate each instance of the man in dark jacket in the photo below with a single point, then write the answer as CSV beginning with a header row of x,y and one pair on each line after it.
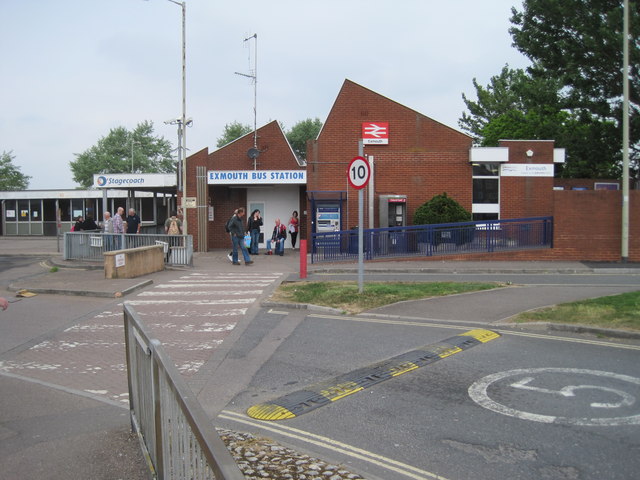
x,y
236,230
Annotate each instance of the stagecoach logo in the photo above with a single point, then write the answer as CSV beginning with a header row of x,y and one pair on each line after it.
x,y
375,133
102,181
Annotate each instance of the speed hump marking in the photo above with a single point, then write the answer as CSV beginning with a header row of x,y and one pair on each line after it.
x,y
315,396
562,388
358,173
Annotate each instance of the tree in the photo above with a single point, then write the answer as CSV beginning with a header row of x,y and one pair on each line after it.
x,y
301,132
232,131
122,151
11,178
579,43
509,94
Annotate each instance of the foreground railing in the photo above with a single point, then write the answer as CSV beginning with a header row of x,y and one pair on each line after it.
x,y
180,440
89,246
431,240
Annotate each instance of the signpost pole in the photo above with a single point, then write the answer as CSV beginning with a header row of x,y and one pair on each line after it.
x,y
358,175
360,223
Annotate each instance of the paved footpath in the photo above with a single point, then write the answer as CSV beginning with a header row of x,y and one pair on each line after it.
x,y
190,311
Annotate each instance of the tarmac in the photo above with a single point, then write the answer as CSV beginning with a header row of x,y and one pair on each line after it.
x,y
101,431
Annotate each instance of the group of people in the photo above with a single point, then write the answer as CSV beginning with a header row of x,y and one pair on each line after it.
x,y
109,224
117,223
235,227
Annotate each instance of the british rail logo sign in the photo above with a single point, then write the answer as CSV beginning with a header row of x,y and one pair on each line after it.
x,y
375,133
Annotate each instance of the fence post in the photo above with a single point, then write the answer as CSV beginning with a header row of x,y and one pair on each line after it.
x,y
157,410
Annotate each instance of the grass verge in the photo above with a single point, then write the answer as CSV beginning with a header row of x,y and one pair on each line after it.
x,y
616,311
345,296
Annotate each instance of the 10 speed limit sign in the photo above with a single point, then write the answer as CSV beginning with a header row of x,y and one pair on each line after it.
x,y
358,173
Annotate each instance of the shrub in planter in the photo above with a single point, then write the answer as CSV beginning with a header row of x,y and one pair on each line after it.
x,y
443,209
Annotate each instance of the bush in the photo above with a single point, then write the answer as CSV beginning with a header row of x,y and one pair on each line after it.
x,y
440,209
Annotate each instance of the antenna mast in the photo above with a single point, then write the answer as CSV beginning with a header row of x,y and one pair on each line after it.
x,y
253,75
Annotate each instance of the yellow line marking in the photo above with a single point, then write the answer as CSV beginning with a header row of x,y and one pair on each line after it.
x,y
341,390
397,370
481,335
447,352
457,327
267,411
336,446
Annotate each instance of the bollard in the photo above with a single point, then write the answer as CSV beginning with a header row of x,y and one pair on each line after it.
x,y
303,258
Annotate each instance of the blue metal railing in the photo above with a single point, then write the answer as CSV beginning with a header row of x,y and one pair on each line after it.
x,y
432,240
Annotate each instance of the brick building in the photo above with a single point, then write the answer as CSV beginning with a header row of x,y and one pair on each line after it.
x,y
412,158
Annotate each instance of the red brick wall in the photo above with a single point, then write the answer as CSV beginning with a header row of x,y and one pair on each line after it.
x,y
522,197
587,227
589,183
275,154
423,158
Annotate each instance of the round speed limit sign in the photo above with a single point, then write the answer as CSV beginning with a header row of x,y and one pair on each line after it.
x,y
358,173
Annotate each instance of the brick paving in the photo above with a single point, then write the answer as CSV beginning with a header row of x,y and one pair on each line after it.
x,y
191,315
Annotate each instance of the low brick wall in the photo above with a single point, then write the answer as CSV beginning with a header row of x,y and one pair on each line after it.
x,y
133,262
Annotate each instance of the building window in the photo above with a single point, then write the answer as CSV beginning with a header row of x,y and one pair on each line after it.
x,y
486,191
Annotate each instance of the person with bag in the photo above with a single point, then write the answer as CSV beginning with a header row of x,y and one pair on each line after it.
x,y
253,226
293,228
236,230
278,237
173,225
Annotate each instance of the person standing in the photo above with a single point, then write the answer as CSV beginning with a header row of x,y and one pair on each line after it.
x,y
293,228
107,229
133,222
118,227
236,230
89,224
253,225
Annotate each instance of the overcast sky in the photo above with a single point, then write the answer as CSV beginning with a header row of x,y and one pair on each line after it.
x,y
73,69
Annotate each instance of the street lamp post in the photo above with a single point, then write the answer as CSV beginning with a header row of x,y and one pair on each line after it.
x,y
182,148
624,247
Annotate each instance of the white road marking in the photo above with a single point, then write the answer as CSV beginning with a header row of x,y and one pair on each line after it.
x,y
229,312
569,391
479,394
209,284
195,293
235,301
336,446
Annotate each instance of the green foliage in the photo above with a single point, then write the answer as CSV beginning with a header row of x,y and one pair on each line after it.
x,y
301,132
232,131
345,295
116,152
440,209
615,311
11,178
572,93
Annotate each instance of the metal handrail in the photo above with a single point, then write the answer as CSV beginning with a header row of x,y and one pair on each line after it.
x,y
177,435
90,246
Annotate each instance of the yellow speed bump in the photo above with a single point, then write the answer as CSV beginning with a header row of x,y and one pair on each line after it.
x,y
315,396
